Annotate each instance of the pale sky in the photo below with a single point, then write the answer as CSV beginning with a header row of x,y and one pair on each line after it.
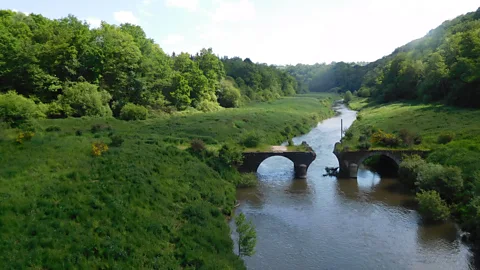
x,y
267,31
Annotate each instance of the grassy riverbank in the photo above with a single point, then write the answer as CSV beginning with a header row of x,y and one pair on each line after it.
x,y
145,202
453,136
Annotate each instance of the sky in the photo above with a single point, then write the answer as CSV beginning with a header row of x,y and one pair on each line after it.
x,y
267,31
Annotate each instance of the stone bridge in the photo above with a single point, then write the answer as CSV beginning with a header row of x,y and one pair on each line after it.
x,y
349,161
300,159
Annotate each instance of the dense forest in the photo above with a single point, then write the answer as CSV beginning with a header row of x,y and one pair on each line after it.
x,y
442,66
70,69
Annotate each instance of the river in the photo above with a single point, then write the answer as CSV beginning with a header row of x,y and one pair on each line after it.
x,y
329,223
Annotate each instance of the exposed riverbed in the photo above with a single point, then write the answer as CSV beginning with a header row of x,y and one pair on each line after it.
x,y
329,223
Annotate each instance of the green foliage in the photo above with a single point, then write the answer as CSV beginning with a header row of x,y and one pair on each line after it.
x,y
84,99
231,155
409,138
208,106
16,109
147,204
228,95
247,180
409,169
364,145
347,97
131,112
252,139
432,207
247,236
197,146
53,129
447,181
116,140
445,138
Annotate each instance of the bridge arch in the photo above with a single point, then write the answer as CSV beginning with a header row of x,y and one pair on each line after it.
x,y
387,164
349,161
301,161
276,164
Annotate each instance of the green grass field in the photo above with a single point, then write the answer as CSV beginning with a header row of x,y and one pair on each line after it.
x,y
148,203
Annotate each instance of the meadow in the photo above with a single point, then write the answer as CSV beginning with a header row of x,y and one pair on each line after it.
x,y
106,193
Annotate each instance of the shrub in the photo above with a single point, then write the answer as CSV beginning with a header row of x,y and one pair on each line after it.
x,y
53,129
348,97
117,140
445,138
208,106
348,134
100,127
24,136
290,142
133,112
84,99
362,138
16,109
447,181
231,155
385,139
99,148
79,132
409,168
431,206
365,145
55,110
247,180
407,137
197,145
228,95
251,139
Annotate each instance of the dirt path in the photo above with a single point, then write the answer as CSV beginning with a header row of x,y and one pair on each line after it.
x,y
279,148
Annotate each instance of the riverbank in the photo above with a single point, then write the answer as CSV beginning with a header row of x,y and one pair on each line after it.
x,y
144,202
451,134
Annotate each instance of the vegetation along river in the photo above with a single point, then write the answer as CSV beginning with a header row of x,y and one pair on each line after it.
x,y
328,223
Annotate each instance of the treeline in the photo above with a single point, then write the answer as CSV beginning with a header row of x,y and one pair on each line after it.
x,y
442,66
72,70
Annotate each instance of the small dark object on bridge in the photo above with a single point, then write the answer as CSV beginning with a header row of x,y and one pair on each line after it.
x,y
331,171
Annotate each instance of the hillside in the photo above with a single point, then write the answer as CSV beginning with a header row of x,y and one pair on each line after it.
x,y
442,66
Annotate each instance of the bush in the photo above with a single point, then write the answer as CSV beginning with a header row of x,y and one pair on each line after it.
x,y
117,140
228,95
431,206
100,127
84,99
197,145
445,138
409,168
348,97
385,139
364,92
348,134
247,180
53,129
78,132
364,145
409,138
16,109
290,142
24,136
99,148
208,106
55,110
447,181
231,155
131,112
251,139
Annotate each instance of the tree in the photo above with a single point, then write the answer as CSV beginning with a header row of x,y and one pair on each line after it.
x,y
348,97
247,236
431,206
